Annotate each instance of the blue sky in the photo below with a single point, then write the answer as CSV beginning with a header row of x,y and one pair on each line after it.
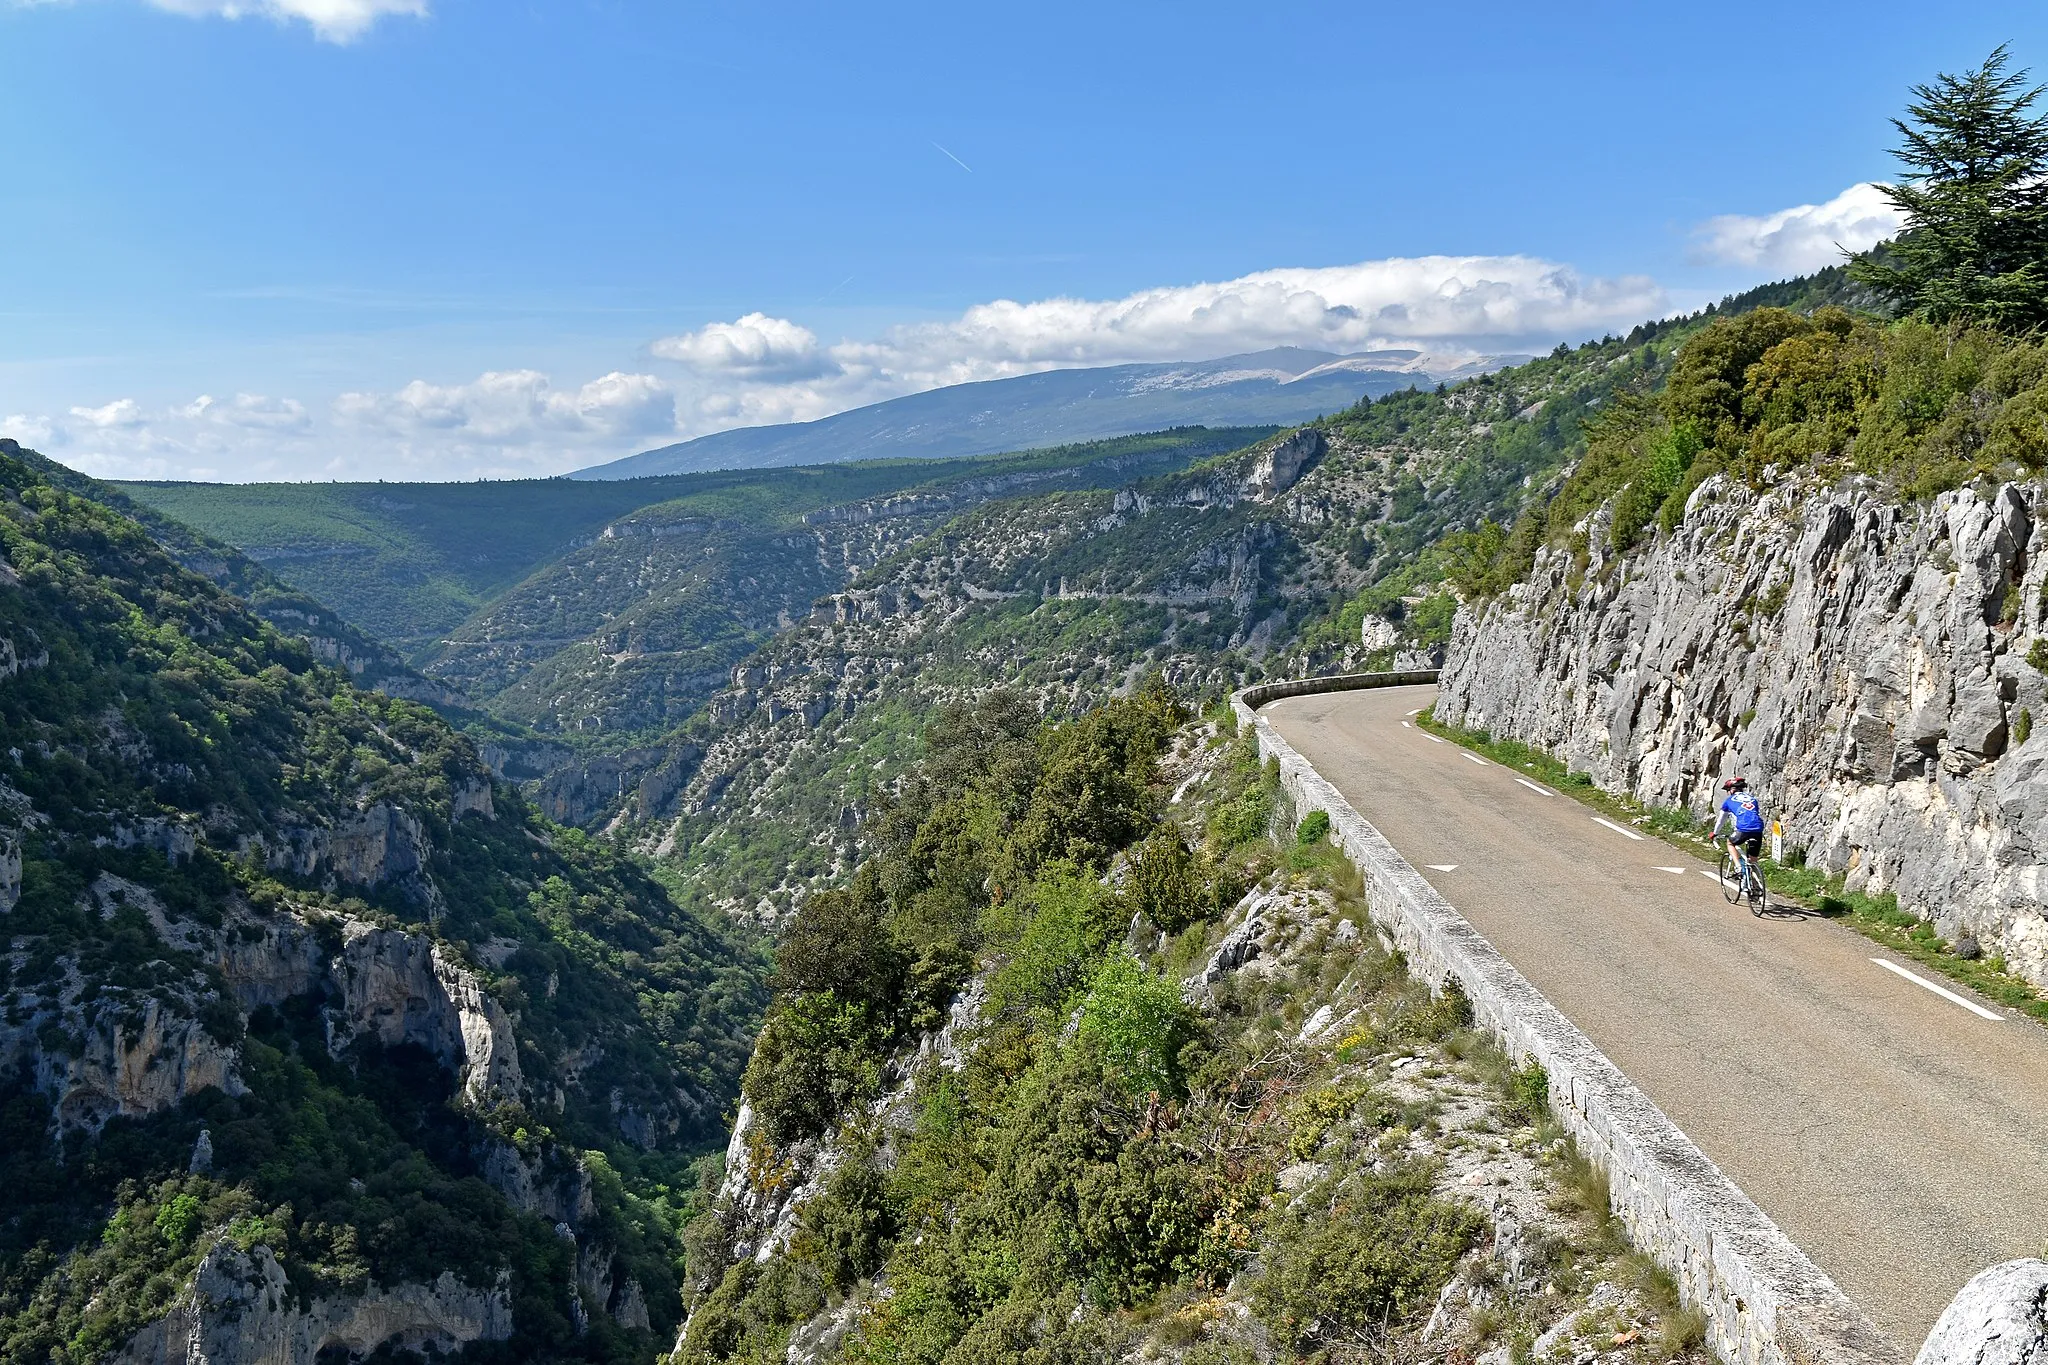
x,y
449,238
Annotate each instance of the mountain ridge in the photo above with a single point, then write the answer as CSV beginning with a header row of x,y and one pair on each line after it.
x,y
1282,385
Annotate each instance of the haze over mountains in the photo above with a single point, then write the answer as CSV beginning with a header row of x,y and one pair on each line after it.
x,y
1281,386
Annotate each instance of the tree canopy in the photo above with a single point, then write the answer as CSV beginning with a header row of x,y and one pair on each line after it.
x,y
1975,198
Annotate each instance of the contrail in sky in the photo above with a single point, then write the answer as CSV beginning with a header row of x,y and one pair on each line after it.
x,y
957,161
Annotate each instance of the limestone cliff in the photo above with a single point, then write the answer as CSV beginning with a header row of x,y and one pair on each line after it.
x,y
1864,661
241,1310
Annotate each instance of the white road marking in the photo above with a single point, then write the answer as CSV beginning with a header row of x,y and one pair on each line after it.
x,y
1477,759
1942,991
1435,739
1715,878
1406,726
1618,829
1441,867
1540,791
1416,712
1674,871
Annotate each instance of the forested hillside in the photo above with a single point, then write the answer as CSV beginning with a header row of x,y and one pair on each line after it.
x,y
595,613
295,992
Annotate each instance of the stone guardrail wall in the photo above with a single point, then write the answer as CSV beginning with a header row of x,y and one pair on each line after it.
x,y
1765,1302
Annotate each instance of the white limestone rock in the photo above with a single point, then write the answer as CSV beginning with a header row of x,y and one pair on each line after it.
x,y
240,1310
1999,1318
1863,661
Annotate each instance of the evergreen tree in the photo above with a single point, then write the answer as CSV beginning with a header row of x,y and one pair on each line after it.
x,y
1975,197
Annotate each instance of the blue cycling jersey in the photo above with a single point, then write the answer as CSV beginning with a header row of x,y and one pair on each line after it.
x,y
1749,816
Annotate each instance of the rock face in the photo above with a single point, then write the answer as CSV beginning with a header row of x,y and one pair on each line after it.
x,y
1999,1318
10,870
400,988
1864,662
240,1310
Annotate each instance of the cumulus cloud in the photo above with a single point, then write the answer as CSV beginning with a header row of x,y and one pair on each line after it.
x,y
334,21
765,369
1803,237
516,407
755,347
122,413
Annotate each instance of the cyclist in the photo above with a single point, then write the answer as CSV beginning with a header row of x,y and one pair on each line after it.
x,y
1745,828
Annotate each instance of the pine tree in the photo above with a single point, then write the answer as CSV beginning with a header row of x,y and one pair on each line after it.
x,y
1975,198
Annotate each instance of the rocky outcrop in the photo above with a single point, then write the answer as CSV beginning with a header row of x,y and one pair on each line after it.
x,y
380,844
240,1310
1864,662
1999,1318
401,988
10,870
1280,466
125,1054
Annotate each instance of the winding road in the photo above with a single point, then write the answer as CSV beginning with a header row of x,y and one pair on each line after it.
x,y
1897,1132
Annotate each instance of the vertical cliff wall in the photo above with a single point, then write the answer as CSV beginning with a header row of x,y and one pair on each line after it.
x,y
1863,661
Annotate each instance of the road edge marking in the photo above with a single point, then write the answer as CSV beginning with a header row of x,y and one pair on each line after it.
x,y
1942,991
1540,791
1619,829
1477,759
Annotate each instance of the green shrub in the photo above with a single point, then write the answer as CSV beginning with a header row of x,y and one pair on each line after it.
x,y
1166,885
2022,726
1136,1018
1376,1257
2037,654
1069,918
1313,829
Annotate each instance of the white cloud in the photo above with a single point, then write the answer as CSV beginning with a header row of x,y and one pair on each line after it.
x,y
515,408
755,347
121,414
335,21
249,410
767,369
1804,237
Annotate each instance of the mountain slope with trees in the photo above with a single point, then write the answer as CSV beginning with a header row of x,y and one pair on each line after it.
x,y
288,978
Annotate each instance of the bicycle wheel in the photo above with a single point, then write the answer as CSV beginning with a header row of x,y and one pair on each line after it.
x,y
1730,887
1759,892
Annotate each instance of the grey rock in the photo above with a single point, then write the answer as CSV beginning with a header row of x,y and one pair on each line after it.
x,y
240,1310
202,1153
1873,705
1999,1318
10,870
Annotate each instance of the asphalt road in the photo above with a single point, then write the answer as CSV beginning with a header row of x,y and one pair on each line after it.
x,y
1899,1138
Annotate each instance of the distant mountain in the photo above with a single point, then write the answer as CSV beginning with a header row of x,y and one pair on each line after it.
x,y
1276,387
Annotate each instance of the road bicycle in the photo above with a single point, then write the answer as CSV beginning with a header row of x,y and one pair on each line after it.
x,y
1750,887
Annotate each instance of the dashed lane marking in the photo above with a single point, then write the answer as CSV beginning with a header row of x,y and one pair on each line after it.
x,y
1942,991
1715,878
1441,867
1540,791
1416,712
1474,758
1406,726
1674,871
1618,829
1436,739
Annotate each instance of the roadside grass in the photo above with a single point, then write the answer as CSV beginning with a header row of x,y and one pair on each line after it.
x,y
1822,893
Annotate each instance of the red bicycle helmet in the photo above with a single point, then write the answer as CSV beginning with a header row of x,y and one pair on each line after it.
x,y
1732,783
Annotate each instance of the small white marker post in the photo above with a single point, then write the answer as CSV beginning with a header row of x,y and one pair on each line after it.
x,y
1618,829
1942,991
